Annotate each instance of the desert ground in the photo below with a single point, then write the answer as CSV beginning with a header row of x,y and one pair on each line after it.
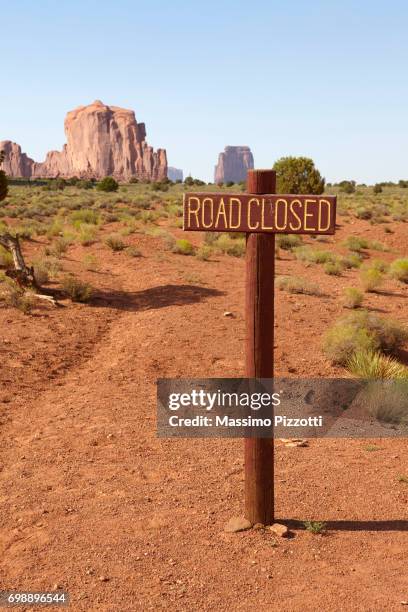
x,y
94,503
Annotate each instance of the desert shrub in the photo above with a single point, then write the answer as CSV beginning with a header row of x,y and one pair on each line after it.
x,y
87,234
55,229
356,243
84,184
376,245
133,252
183,247
399,270
210,238
231,246
353,298
298,175
6,259
344,340
309,255
3,185
380,265
90,263
377,188
15,297
347,186
351,261
296,284
133,180
115,242
41,272
108,184
371,279
362,331
363,212
58,247
76,289
204,252
333,268
85,215
373,364
288,241
57,184
386,400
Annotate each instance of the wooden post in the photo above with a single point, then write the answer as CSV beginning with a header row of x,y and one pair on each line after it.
x,y
260,272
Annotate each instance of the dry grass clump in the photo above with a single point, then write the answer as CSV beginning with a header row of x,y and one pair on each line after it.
x,y
76,289
373,364
399,270
296,284
371,279
353,297
362,331
115,243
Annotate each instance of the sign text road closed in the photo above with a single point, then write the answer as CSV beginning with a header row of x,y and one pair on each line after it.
x,y
280,214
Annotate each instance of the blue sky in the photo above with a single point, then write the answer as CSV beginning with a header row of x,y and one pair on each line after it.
x,y
318,78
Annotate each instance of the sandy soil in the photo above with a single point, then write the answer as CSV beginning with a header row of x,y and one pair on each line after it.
x,y
92,501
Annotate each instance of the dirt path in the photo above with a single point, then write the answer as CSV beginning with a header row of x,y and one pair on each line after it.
x,y
93,502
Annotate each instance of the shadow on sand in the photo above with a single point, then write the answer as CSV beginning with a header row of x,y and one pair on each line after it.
x,y
153,298
392,525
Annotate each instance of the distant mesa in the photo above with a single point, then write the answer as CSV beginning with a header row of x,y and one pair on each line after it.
x,y
174,174
233,164
101,141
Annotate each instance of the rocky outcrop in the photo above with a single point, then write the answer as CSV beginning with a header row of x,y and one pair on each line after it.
x,y
102,141
233,164
174,174
16,163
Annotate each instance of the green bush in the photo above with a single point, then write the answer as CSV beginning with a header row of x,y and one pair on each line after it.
x,y
85,215
84,184
77,290
371,279
183,247
204,252
347,186
399,270
108,184
115,243
309,255
298,175
231,246
356,243
288,242
3,185
333,268
362,331
373,364
353,298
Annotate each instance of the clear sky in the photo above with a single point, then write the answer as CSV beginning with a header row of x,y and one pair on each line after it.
x,y
321,78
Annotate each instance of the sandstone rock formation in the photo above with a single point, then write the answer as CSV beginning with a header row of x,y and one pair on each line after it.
x,y
174,174
15,162
233,164
101,141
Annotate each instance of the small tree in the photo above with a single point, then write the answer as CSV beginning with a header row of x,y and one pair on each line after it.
x,y
3,179
298,175
347,186
108,184
377,188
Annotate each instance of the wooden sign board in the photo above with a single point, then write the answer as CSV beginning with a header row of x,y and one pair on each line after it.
x,y
270,213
